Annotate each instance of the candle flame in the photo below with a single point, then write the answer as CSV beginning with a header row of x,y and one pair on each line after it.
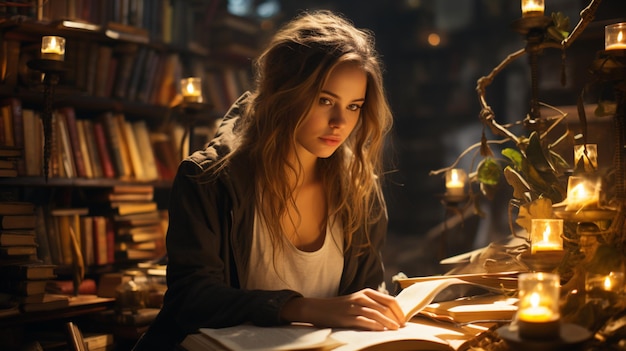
x,y
53,42
579,192
190,89
534,299
619,37
607,283
546,234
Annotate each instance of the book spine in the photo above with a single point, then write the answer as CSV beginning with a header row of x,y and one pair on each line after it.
x,y
94,153
114,144
72,130
108,169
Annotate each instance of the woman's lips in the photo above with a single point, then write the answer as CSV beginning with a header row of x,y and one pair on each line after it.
x,y
331,140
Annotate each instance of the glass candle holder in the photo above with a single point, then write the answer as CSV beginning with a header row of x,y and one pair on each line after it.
x,y
582,192
455,182
532,8
603,288
615,36
586,157
545,235
538,315
53,48
191,89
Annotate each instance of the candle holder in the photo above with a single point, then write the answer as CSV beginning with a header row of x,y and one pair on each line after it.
x,y
537,324
532,8
455,183
191,89
604,289
533,27
538,314
615,36
193,106
51,64
546,235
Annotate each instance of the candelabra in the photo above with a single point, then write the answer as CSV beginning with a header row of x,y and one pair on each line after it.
x,y
192,108
51,64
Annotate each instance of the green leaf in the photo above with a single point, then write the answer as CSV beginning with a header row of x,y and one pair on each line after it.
x,y
488,171
514,156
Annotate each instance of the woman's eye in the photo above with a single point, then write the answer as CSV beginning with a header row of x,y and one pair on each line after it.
x,y
325,101
354,107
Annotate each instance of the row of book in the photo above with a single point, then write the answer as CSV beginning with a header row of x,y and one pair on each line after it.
x,y
106,146
121,224
139,72
168,21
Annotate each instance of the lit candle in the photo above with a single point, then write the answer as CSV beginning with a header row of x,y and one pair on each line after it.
x,y
455,182
538,313
535,312
191,89
545,235
582,193
53,48
615,36
586,157
603,288
532,8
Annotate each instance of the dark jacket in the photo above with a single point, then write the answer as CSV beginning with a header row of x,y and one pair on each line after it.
x,y
208,244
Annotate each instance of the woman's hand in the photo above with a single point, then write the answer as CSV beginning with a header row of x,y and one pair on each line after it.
x,y
366,309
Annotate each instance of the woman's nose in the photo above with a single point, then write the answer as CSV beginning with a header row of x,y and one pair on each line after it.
x,y
337,119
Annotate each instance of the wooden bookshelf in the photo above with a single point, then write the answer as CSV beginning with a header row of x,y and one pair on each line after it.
x,y
123,65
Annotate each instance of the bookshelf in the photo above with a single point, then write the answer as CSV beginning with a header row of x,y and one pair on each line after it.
x,y
116,133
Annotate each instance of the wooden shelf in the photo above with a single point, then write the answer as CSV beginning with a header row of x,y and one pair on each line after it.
x,y
80,305
81,182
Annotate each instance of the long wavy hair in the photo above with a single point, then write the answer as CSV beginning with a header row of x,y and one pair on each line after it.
x,y
290,74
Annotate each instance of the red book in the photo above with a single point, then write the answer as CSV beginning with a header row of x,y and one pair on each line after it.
x,y
70,120
103,151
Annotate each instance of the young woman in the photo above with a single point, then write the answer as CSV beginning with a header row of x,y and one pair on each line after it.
x,y
281,218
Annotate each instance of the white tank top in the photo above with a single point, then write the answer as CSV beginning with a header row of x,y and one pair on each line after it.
x,y
313,274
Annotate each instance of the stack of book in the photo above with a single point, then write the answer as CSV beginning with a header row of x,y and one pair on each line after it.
x,y
24,274
17,231
25,284
136,220
11,137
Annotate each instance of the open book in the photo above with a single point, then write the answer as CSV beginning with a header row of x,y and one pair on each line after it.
x,y
418,334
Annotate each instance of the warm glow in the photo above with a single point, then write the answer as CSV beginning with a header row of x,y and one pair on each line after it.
x,y
191,89
531,8
53,48
538,297
614,36
545,235
582,193
536,312
579,193
607,283
455,182
434,39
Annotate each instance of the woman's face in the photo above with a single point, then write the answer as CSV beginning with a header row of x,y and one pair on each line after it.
x,y
334,113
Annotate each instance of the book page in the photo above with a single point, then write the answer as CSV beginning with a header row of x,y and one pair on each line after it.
x,y
413,336
415,297
252,338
